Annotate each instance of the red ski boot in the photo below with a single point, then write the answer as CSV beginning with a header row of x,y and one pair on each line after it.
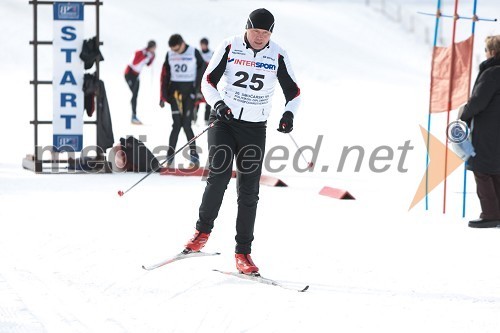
x,y
244,264
198,241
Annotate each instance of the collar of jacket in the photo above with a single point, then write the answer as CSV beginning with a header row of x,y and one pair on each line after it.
x,y
495,61
187,46
247,45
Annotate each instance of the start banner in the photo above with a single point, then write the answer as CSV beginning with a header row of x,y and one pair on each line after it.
x,y
68,76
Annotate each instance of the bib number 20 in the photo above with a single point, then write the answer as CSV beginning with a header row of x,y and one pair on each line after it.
x,y
258,84
180,68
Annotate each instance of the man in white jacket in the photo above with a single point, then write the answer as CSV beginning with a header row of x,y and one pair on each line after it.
x,y
248,66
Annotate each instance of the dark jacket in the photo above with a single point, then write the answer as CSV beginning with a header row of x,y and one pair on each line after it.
x,y
94,90
105,138
484,107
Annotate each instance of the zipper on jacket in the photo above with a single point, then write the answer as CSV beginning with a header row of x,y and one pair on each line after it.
x,y
246,89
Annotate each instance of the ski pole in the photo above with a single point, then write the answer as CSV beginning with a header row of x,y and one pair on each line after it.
x,y
122,193
309,164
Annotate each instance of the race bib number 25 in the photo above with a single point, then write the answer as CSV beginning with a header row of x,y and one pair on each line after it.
x,y
256,82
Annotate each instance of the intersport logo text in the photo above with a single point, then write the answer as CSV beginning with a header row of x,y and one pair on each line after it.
x,y
252,63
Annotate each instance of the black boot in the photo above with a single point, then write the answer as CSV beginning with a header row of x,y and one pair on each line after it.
x,y
484,223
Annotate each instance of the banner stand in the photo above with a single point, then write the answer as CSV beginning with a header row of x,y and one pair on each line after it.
x,y
35,161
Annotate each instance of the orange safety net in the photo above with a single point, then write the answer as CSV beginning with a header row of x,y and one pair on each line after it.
x,y
440,84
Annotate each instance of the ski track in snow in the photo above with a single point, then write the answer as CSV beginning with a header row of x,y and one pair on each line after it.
x,y
15,317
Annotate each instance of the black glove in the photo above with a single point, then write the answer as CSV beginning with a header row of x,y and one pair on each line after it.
x,y
286,122
223,112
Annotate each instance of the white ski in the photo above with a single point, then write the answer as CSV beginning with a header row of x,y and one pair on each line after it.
x,y
183,255
258,278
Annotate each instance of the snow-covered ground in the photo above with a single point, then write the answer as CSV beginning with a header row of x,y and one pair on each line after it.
x,y
71,250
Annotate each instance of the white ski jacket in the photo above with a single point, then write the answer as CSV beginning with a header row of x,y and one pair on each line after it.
x,y
248,79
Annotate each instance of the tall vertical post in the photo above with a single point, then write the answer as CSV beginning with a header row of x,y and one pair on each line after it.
x,y
450,97
474,19
438,15
98,42
97,33
35,76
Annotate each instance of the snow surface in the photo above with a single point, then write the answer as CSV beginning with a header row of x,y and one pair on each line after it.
x,y
71,250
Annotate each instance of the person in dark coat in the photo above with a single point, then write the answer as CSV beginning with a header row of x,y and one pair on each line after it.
x,y
483,108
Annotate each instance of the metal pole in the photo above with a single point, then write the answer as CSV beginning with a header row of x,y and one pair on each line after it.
x,y
438,14
450,97
97,31
474,18
309,164
474,10
35,76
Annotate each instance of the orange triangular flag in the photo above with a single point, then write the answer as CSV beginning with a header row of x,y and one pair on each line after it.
x,y
435,169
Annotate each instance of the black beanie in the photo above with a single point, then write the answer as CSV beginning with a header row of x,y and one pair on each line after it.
x,y
261,19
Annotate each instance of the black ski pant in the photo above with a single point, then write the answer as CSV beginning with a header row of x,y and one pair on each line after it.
x,y
182,104
245,142
488,191
207,111
133,83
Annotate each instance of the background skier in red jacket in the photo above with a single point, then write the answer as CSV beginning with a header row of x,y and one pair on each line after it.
x,y
142,57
